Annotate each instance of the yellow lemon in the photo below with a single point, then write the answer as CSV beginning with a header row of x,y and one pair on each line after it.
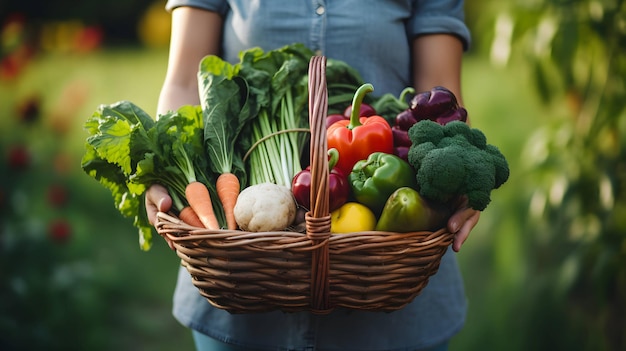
x,y
352,217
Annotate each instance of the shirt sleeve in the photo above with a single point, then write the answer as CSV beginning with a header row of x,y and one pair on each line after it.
x,y
219,6
441,16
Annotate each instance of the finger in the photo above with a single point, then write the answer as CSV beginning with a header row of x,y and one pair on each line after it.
x,y
459,217
157,200
463,233
170,244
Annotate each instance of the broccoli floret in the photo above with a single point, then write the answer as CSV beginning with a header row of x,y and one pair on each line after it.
x,y
455,160
502,166
441,180
481,171
454,140
417,153
426,130
461,129
457,128
478,138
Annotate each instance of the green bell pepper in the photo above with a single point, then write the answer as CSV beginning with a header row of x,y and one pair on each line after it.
x,y
374,179
406,211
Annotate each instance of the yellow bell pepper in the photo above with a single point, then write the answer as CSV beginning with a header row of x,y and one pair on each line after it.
x,y
352,217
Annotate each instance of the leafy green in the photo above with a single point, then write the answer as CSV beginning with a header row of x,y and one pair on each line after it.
x,y
118,137
127,151
281,107
225,108
388,106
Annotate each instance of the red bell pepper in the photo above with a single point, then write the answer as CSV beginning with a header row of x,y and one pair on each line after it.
x,y
357,138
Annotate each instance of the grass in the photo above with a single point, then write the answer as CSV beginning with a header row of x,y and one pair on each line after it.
x,y
500,102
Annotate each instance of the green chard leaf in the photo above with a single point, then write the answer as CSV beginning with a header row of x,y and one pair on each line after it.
x,y
118,133
226,110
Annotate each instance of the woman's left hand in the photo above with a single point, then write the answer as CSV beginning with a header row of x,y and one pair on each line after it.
x,y
461,223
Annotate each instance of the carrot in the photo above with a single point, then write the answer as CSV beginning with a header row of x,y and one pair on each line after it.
x,y
189,216
227,187
199,199
185,212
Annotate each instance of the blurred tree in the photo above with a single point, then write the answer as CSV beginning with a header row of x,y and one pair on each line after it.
x,y
577,168
117,18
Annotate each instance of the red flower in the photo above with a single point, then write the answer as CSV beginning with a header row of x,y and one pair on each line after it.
x,y
19,157
57,195
88,39
59,231
9,67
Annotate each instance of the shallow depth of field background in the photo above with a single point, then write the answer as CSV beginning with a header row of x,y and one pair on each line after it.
x,y
545,268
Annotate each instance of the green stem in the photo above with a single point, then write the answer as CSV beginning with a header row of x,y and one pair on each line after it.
x,y
334,158
185,165
356,104
405,92
275,153
261,165
177,202
176,185
293,139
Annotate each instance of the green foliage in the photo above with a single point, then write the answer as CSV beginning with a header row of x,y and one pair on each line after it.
x,y
577,171
72,277
48,285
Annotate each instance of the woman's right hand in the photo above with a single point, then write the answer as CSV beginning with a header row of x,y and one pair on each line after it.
x,y
157,200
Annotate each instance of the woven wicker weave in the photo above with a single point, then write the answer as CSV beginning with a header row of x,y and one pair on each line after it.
x,y
316,271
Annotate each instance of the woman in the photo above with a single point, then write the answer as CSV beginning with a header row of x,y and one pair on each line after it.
x,y
393,44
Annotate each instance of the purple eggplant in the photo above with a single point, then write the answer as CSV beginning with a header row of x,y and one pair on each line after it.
x,y
365,110
460,114
400,136
405,119
402,152
432,104
330,119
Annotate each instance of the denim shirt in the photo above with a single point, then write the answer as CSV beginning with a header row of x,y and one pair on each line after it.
x,y
347,30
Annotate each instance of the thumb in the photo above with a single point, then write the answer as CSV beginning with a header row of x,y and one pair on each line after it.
x,y
165,203
157,200
158,197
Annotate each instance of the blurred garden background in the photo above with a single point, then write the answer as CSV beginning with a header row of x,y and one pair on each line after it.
x,y
545,269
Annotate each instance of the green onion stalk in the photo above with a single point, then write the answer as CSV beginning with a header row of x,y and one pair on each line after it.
x,y
280,140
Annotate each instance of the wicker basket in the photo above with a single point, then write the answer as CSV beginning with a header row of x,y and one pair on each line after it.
x,y
316,271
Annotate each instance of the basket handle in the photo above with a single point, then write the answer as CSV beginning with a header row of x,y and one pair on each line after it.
x,y
318,108
318,218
